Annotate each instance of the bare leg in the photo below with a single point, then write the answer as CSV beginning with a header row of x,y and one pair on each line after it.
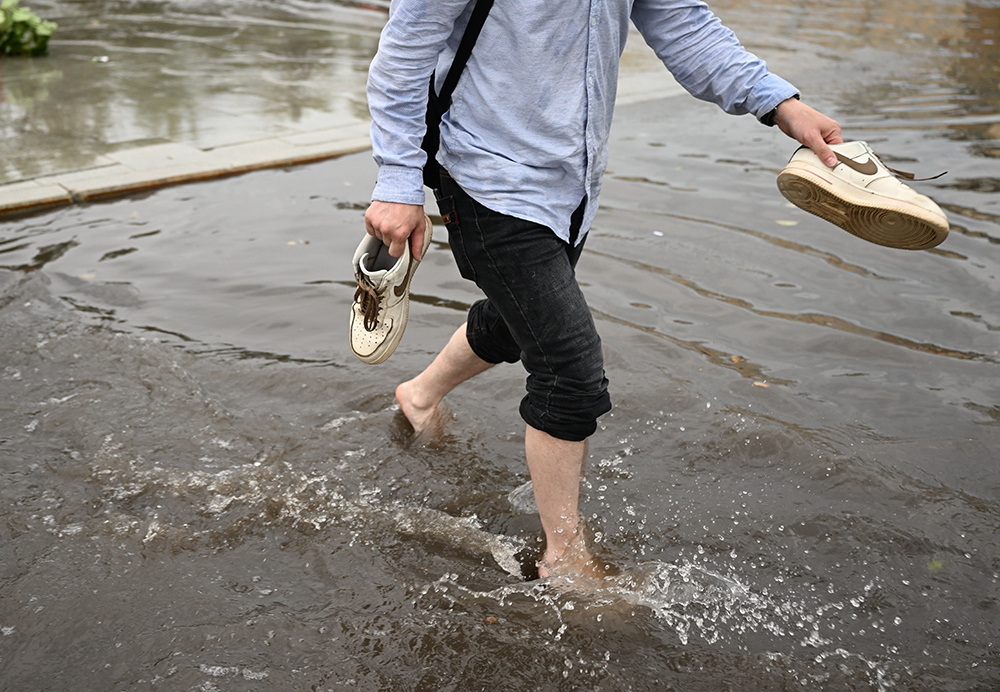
x,y
556,465
556,468
419,398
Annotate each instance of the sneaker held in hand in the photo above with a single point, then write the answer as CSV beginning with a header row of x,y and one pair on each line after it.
x,y
864,197
382,300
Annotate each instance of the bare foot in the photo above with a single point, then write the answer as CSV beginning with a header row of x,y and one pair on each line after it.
x,y
575,560
418,415
428,421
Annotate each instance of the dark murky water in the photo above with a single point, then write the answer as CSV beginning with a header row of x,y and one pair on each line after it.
x,y
203,490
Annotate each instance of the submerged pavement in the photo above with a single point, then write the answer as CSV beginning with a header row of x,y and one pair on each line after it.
x,y
162,163
134,170
146,167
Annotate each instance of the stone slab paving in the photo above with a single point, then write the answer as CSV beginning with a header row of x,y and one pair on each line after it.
x,y
133,170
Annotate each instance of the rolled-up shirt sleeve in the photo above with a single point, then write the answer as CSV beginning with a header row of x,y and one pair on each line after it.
x,y
707,58
409,48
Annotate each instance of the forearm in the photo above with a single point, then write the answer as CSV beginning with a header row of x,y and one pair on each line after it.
x,y
707,58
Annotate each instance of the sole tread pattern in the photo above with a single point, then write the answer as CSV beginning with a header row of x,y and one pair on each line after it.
x,y
879,224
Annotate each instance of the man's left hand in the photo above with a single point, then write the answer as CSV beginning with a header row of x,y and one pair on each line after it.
x,y
810,127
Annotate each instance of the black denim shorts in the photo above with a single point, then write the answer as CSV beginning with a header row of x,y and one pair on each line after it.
x,y
534,312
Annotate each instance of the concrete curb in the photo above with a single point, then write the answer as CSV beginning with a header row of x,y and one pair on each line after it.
x,y
158,165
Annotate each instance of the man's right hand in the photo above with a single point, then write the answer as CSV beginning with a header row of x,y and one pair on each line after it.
x,y
393,223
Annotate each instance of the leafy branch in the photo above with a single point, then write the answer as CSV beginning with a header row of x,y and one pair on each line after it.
x,y
22,32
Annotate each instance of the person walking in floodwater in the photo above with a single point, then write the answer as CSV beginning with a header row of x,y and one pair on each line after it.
x,y
523,148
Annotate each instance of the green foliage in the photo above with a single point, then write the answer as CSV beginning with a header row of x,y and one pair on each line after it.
x,y
22,32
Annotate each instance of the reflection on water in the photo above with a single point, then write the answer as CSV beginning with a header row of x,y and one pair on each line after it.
x,y
208,74
202,489
909,73
933,61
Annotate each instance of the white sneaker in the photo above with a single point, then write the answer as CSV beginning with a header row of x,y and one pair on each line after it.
x,y
382,300
864,197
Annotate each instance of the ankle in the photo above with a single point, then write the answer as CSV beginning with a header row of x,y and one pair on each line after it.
x,y
567,541
412,396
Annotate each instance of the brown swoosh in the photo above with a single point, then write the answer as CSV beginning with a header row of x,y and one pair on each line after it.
x,y
866,168
401,288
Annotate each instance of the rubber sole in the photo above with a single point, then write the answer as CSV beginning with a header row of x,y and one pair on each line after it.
x,y
874,220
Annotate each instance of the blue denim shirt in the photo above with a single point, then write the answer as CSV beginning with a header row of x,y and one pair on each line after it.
x,y
527,131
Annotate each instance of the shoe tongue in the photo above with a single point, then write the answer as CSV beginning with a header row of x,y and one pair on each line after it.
x,y
374,276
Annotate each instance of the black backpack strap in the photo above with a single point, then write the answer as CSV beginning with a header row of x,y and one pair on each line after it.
x,y
437,104
469,38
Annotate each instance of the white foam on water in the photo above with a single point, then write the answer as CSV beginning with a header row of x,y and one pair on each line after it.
x,y
313,499
464,533
338,422
231,671
695,603
522,499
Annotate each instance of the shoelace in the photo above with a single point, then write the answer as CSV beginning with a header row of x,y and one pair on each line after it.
x,y
904,175
370,299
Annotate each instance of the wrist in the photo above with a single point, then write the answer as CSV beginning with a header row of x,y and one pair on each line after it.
x,y
771,118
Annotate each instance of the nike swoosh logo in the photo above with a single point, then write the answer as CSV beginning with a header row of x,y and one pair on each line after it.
x,y
866,168
401,288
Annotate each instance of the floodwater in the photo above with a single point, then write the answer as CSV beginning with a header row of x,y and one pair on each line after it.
x,y
202,489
